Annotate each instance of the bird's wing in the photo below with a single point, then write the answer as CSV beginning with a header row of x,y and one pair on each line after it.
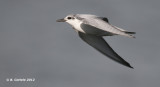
x,y
107,21
101,45
101,23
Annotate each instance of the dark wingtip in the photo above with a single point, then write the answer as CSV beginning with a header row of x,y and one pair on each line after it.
x,y
131,67
130,32
128,65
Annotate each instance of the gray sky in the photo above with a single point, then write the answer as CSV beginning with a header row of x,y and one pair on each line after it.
x,y
34,45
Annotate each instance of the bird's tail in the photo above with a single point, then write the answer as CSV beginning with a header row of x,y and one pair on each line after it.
x,y
130,36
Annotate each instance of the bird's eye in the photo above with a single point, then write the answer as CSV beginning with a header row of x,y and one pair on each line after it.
x,y
69,18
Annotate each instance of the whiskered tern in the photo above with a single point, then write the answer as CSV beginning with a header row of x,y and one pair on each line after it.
x,y
92,28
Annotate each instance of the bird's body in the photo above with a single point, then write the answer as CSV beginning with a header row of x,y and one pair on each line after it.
x,y
92,24
91,28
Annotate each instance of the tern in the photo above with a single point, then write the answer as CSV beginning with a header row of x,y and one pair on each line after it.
x,y
92,28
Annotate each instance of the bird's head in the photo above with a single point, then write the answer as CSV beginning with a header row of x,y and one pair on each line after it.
x,y
70,19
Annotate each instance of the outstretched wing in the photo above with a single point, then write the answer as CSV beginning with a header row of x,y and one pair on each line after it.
x,y
107,21
101,23
101,45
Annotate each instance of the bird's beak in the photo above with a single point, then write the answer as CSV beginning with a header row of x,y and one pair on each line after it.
x,y
61,20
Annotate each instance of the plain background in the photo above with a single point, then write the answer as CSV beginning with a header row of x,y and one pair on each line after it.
x,y
34,45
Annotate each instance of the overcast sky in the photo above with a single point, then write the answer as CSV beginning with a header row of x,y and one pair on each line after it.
x,y
34,45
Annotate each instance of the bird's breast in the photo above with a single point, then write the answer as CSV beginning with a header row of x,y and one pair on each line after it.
x,y
77,27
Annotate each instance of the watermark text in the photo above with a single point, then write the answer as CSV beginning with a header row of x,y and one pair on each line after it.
x,y
20,79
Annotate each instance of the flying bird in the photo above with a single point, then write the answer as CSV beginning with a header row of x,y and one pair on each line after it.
x,y
92,28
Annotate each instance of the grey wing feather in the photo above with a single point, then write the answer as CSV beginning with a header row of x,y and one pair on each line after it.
x,y
102,24
101,45
107,21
